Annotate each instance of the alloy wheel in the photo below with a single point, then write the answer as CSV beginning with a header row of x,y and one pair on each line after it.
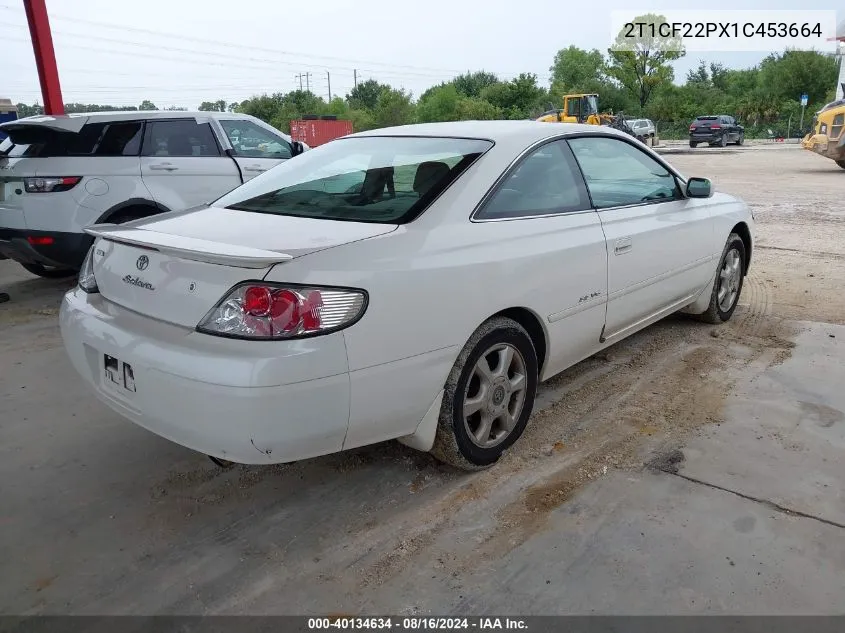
x,y
495,395
729,279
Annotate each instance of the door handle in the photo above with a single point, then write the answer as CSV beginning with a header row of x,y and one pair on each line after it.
x,y
163,167
623,245
255,168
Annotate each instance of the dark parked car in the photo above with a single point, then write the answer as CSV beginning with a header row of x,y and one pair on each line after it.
x,y
716,130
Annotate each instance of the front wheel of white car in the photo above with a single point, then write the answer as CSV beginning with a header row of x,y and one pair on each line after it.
x,y
728,283
488,396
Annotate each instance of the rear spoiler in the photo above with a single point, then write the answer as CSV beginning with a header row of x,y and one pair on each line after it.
x,y
189,247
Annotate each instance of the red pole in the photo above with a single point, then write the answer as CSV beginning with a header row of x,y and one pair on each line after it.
x,y
45,56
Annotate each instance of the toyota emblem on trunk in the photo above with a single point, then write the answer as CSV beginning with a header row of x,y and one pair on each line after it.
x,y
142,263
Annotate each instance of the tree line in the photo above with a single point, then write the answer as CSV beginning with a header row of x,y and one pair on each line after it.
x,y
638,81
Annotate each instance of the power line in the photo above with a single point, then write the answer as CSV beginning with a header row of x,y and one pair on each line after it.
x,y
217,43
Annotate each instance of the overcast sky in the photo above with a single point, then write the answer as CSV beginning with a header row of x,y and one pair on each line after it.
x,y
182,52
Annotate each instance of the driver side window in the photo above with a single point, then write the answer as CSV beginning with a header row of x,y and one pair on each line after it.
x,y
619,174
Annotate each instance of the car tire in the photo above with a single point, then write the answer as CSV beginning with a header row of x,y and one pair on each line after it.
x,y
729,277
723,142
49,272
741,139
502,403
692,144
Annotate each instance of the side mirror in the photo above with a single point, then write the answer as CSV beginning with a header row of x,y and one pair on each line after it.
x,y
296,148
699,188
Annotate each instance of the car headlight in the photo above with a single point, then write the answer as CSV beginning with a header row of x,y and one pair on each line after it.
x,y
86,273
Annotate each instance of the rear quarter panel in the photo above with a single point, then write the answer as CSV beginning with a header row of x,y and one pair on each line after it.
x,y
106,181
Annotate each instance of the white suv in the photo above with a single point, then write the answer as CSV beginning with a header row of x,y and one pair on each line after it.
x,y
643,129
59,174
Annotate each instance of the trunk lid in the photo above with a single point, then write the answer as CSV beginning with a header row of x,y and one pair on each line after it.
x,y
178,267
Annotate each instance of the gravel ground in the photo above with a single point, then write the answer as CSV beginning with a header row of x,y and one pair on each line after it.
x,y
101,517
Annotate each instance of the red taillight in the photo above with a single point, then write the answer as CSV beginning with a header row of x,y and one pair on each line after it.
x,y
257,301
266,310
311,310
691,128
286,312
39,240
49,184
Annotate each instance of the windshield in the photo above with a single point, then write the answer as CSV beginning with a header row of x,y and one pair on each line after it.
x,y
592,105
388,180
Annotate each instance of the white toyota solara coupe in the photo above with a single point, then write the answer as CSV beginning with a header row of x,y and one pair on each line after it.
x,y
411,283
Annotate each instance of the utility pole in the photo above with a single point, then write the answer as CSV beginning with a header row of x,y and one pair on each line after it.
x,y
355,75
329,80
299,79
308,82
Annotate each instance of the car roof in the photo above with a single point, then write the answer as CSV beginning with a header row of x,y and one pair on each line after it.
x,y
528,131
135,115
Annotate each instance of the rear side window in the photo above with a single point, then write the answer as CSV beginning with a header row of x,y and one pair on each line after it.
x,y
180,138
546,182
122,138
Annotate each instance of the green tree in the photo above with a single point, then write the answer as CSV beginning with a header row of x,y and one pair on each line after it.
x,y
794,73
719,75
25,110
470,84
699,76
642,64
574,68
519,98
394,107
213,106
438,104
146,104
366,94
476,109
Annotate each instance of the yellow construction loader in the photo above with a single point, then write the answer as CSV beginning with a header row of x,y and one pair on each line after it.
x,y
584,108
827,135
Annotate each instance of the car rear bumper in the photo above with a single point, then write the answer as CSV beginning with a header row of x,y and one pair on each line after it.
x,y
66,250
245,401
705,138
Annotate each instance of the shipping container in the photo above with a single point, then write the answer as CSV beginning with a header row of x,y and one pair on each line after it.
x,y
314,132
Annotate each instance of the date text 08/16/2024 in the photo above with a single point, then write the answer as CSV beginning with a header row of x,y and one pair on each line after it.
x,y
415,623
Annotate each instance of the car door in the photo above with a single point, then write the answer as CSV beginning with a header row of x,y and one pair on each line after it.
x,y
542,210
254,147
658,241
182,164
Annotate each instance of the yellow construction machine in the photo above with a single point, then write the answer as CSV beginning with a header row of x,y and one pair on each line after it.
x,y
827,135
584,108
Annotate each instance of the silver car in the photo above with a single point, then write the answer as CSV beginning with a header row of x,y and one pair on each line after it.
x,y
642,128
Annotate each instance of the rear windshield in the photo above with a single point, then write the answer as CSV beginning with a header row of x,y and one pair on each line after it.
x,y
387,180
707,118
